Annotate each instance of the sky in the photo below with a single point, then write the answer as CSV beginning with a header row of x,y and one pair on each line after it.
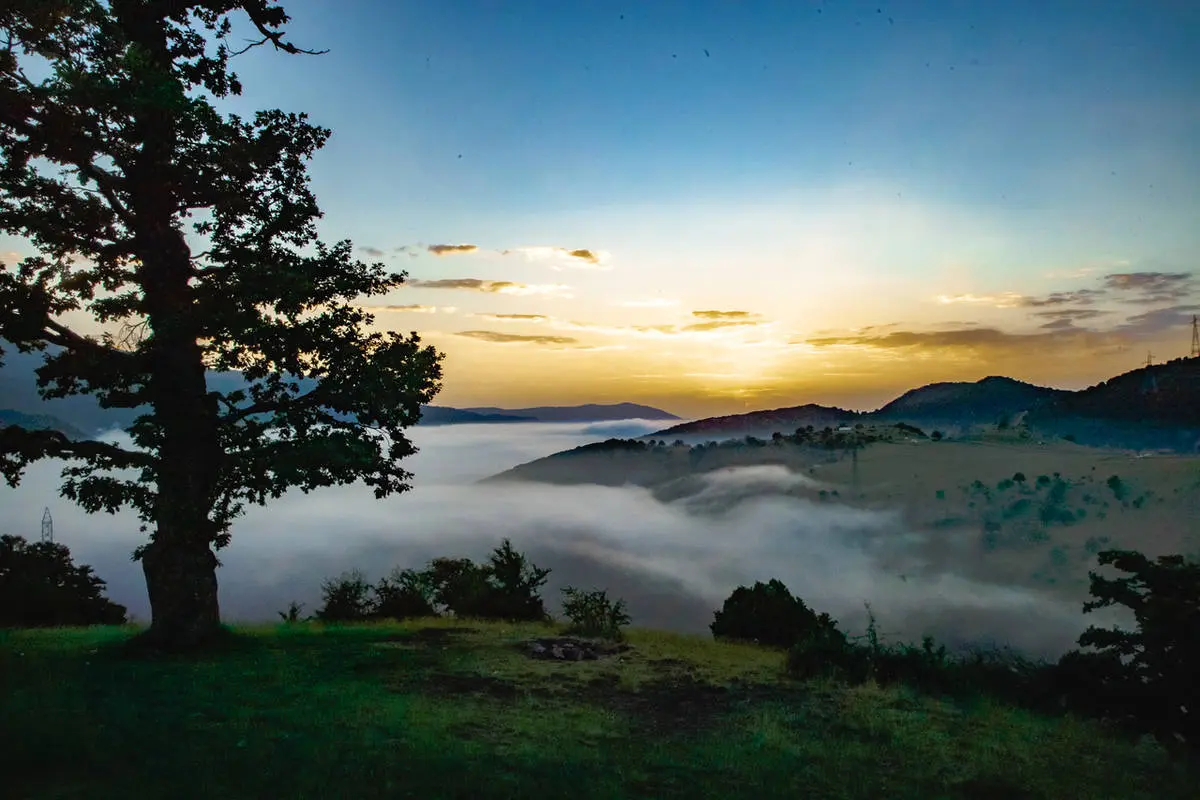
x,y
673,562
716,207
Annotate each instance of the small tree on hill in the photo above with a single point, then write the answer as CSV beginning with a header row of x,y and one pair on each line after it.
x,y
41,587
768,614
191,235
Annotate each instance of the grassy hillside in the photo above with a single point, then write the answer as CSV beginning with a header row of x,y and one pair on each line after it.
x,y
444,709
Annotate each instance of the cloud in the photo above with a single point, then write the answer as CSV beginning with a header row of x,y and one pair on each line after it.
x,y
514,338
1071,313
1151,323
581,258
451,249
411,307
725,314
492,287
969,339
656,302
1148,288
373,252
718,324
513,317
673,560
1002,300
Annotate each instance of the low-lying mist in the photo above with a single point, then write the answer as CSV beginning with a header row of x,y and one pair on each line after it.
x,y
673,561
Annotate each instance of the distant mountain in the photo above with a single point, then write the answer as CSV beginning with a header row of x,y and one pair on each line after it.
x,y
762,423
444,415
83,415
590,412
38,422
1157,406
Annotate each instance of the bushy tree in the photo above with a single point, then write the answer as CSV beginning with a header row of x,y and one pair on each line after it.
x,y
404,594
1161,656
591,613
515,585
768,614
190,236
347,598
40,586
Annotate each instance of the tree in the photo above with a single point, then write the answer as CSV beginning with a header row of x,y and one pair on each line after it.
x,y
189,237
40,586
1161,656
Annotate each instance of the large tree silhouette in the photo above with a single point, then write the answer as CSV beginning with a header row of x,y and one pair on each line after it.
x,y
190,236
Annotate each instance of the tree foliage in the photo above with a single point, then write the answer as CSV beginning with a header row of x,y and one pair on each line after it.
x,y
190,236
1160,657
40,586
768,614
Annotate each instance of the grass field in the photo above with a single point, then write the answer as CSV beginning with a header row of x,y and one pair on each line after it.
x,y
443,709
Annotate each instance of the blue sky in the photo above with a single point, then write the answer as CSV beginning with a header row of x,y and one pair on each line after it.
x,y
812,170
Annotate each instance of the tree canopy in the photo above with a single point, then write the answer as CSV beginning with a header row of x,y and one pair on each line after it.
x,y
187,239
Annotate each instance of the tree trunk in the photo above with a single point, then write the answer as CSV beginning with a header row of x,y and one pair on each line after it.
x,y
181,578
179,563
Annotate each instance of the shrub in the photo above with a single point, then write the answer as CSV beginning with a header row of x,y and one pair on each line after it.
x,y
347,598
936,436
458,586
41,587
767,614
593,614
293,612
404,594
514,585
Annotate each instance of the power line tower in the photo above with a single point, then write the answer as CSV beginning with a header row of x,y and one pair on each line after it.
x,y
47,527
1150,383
1195,336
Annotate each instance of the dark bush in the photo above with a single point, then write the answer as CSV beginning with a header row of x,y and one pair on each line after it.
x,y
457,586
1159,660
404,594
41,587
292,614
347,598
767,614
514,586
593,614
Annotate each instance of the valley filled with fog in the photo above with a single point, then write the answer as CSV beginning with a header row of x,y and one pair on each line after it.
x,y
673,561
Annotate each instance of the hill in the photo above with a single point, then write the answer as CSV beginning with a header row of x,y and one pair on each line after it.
x,y
440,708
1152,407
590,412
444,415
37,422
962,404
761,423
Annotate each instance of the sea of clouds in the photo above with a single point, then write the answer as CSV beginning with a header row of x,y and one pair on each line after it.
x,y
673,561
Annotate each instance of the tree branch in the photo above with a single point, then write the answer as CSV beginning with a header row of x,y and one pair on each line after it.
x,y
63,336
34,444
257,11
306,400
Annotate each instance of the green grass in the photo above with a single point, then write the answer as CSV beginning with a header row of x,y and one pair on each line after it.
x,y
443,709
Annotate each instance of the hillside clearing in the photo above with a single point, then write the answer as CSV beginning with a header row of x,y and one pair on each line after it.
x,y
438,708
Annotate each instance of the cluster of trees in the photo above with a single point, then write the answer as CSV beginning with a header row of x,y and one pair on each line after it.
x,y
40,586
1143,679
505,587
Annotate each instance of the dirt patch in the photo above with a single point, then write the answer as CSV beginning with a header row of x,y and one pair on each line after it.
x,y
680,705
453,684
567,648
435,635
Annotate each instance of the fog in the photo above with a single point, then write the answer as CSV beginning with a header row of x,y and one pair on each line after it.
x,y
673,561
